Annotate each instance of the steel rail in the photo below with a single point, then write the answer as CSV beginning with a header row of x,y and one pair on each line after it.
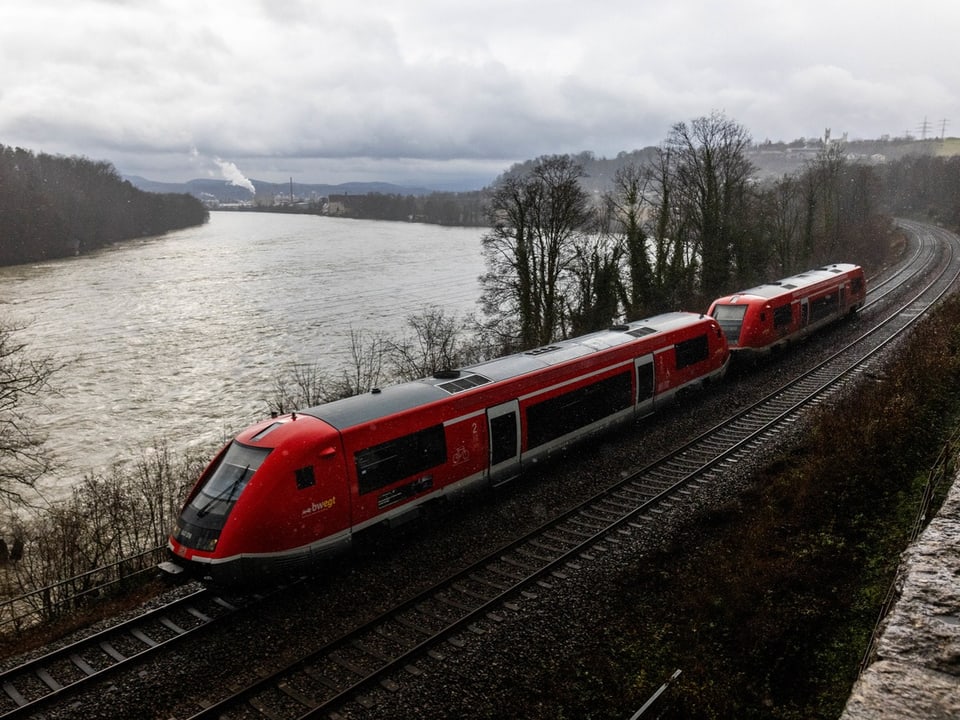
x,y
49,678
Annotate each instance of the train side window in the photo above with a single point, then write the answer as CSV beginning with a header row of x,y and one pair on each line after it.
x,y
383,464
692,351
782,316
824,306
578,408
305,478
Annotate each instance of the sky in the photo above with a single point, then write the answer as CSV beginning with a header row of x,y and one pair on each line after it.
x,y
448,94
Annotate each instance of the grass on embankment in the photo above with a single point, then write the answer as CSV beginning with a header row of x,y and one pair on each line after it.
x,y
768,604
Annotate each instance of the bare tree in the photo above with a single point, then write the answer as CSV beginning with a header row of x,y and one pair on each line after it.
x,y
437,344
305,385
365,371
595,300
709,175
536,220
302,386
23,378
627,212
675,266
782,211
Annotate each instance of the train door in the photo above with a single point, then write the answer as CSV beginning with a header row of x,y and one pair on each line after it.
x,y
646,384
503,424
804,312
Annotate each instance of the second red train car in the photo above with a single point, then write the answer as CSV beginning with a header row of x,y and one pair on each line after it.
x,y
768,317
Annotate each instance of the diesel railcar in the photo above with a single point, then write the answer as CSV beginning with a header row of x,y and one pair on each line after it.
x,y
768,317
294,489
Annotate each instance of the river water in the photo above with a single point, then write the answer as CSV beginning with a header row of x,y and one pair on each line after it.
x,y
180,337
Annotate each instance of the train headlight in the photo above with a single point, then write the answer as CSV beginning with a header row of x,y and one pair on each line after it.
x,y
208,545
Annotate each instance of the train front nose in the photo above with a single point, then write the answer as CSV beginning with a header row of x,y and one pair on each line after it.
x,y
730,319
199,527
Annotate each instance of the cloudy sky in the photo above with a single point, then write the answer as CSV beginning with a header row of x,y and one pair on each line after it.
x,y
449,93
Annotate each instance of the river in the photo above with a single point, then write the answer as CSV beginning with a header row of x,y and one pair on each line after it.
x,y
180,337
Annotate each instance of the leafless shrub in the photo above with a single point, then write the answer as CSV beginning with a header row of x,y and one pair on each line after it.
x,y
108,528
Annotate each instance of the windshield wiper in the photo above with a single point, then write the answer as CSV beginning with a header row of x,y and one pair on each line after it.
x,y
227,491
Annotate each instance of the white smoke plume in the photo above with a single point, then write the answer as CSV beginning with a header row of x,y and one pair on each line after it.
x,y
231,173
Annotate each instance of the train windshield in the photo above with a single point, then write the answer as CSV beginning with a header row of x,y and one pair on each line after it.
x,y
204,517
730,318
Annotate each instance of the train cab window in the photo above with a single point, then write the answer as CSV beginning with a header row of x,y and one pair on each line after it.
x,y
856,285
730,318
305,478
692,351
383,464
212,503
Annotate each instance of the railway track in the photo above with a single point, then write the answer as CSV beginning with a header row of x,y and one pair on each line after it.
x,y
349,671
382,653
49,678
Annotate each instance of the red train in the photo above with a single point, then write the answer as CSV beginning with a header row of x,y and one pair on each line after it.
x,y
294,489
291,490
768,317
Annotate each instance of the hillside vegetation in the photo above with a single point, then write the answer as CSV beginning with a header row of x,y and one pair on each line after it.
x,y
56,206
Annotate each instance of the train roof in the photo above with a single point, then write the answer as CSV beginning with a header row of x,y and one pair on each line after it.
x,y
379,403
796,282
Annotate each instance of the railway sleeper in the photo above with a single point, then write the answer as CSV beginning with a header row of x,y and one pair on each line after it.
x,y
112,651
549,548
171,625
84,666
515,562
346,664
592,525
476,595
144,638
593,513
296,695
14,694
489,582
48,680
617,506
320,677
636,493
541,559
560,535
504,573
447,600
371,651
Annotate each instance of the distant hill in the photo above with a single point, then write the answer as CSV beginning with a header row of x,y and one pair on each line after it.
x,y
226,192
771,160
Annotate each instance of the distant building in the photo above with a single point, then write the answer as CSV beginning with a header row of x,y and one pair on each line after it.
x,y
335,207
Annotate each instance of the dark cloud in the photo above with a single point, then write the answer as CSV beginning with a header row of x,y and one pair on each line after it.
x,y
433,89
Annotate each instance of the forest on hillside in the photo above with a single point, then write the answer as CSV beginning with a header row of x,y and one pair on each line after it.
x,y
55,206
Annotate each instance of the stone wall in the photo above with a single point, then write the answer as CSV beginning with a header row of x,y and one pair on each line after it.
x,y
915,669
